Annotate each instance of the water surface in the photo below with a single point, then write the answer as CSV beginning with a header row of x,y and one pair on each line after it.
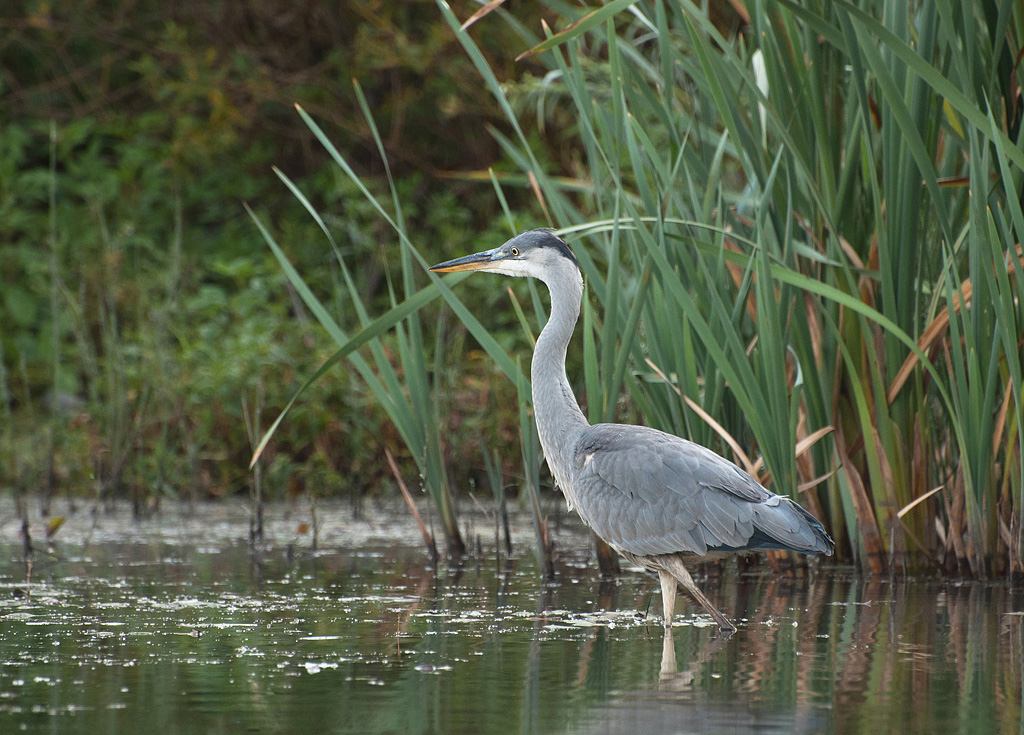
x,y
172,625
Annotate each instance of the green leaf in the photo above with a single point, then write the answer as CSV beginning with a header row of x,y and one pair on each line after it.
x,y
584,24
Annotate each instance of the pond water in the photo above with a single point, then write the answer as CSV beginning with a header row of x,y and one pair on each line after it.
x,y
171,625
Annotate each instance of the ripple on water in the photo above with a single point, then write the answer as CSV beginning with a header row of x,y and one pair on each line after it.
x,y
175,616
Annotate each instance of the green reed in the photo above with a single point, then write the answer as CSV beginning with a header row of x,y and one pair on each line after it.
x,y
835,281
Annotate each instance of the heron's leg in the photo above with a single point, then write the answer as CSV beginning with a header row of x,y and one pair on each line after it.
x,y
668,595
668,655
678,569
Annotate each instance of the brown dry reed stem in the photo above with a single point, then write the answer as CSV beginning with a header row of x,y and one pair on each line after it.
x,y
428,537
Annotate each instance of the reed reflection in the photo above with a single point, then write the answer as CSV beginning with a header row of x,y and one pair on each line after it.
x,y
928,655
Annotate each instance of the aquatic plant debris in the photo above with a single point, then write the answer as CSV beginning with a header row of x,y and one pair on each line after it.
x,y
364,629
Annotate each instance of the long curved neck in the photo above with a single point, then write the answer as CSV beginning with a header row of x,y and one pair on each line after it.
x,y
558,415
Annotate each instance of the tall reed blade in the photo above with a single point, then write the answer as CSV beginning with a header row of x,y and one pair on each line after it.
x,y
822,168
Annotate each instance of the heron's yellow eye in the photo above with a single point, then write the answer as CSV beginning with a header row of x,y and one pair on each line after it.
x,y
514,251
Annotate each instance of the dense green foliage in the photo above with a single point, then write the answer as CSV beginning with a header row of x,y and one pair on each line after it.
x,y
140,308
799,225
815,224
827,204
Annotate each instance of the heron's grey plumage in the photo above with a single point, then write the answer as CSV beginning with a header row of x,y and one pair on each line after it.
x,y
652,493
655,498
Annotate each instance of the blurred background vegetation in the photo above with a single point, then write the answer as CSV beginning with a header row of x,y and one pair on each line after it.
x,y
140,307
799,224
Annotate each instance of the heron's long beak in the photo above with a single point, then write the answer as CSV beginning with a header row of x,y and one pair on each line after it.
x,y
474,262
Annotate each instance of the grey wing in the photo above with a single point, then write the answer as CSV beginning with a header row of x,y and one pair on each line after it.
x,y
647,492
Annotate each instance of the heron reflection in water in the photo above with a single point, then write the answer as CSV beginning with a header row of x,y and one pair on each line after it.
x,y
655,498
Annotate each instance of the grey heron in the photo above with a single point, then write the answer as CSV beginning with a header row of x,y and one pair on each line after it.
x,y
655,498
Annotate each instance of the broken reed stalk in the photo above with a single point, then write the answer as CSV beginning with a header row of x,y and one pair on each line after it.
x,y
26,539
493,467
313,519
546,548
607,557
867,524
505,527
252,428
428,537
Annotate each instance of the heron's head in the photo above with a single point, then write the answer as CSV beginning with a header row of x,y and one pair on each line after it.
x,y
537,253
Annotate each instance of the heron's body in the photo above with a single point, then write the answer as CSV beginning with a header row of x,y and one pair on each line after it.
x,y
653,497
